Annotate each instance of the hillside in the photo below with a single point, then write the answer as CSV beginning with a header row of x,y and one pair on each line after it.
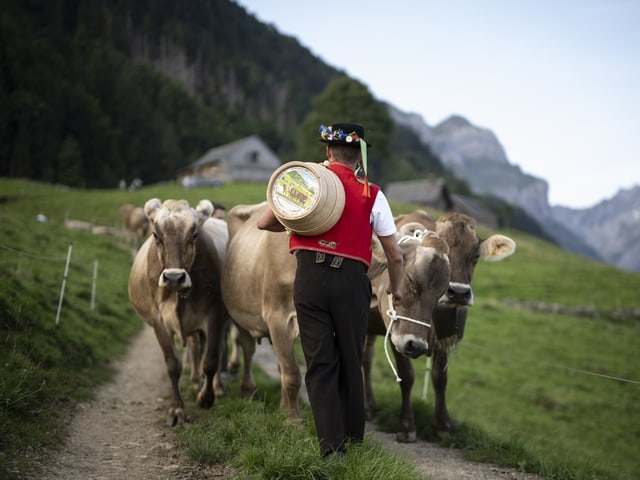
x,y
141,88
550,344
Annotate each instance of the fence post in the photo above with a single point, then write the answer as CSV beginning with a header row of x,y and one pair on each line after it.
x,y
93,285
64,283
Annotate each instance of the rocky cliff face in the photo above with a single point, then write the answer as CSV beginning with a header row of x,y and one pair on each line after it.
x,y
611,228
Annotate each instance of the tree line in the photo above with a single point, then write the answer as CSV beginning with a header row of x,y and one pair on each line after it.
x,y
94,91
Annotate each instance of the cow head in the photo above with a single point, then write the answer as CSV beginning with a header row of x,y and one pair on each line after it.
x,y
466,248
426,266
175,228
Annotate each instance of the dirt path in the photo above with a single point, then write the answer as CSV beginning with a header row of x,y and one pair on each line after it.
x,y
120,436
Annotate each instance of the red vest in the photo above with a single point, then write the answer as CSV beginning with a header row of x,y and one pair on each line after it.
x,y
350,237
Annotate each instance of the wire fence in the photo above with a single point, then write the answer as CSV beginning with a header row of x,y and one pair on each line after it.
x,y
65,273
67,260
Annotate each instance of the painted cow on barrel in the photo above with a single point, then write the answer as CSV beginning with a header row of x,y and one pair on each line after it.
x,y
465,249
174,286
257,287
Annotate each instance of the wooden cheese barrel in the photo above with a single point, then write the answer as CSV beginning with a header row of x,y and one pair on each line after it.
x,y
306,197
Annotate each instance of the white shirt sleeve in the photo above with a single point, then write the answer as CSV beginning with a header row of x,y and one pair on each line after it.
x,y
381,216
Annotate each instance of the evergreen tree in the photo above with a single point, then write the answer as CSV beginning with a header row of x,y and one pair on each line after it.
x,y
348,100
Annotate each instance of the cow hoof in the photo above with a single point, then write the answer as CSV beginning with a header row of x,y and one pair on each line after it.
x,y
444,430
406,437
248,392
233,369
176,417
205,400
293,421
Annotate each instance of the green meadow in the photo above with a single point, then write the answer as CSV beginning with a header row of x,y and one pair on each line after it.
x,y
545,380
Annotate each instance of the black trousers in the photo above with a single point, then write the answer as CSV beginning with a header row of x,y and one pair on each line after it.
x,y
332,306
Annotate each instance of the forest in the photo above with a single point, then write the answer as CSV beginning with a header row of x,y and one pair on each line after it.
x,y
96,91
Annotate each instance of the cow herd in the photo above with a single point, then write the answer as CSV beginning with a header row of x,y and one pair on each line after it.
x,y
193,274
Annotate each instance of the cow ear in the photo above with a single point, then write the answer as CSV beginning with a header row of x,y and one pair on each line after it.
x,y
433,240
496,248
204,210
151,208
411,228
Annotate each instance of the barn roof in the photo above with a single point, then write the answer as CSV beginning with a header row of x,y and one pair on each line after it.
x,y
225,153
246,159
425,191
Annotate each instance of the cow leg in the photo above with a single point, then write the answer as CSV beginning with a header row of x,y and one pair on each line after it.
x,y
211,359
367,362
407,432
290,376
195,347
174,370
248,345
192,356
234,357
439,377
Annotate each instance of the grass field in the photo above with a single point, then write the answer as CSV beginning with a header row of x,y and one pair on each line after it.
x,y
550,392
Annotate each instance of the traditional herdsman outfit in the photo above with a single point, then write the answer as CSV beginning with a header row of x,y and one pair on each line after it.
x,y
332,294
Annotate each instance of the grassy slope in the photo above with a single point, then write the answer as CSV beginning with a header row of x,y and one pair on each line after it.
x,y
517,375
529,378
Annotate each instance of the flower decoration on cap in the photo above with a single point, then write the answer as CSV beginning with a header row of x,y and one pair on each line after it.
x,y
327,133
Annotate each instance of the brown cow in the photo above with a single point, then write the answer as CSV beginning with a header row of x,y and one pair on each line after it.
x,y
257,287
135,220
465,249
174,286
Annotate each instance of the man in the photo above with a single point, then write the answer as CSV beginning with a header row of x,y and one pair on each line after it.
x,y
332,292
219,210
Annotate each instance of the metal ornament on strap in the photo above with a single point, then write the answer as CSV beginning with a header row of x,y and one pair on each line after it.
x,y
391,313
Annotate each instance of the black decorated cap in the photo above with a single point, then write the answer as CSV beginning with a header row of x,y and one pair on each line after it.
x,y
343,134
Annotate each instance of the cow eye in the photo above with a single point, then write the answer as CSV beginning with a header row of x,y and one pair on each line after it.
x,y
194,236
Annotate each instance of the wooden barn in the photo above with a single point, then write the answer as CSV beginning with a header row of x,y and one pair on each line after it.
x,y
246,160
432,192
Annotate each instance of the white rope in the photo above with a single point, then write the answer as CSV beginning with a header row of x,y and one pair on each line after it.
x,y
391,312
427,378
418,235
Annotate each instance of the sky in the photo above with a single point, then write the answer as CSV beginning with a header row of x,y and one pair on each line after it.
x,y
557,81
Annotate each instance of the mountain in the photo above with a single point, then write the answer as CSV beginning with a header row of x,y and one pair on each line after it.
x,y
609,231
612,227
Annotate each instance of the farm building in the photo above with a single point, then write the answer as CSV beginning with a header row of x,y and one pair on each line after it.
x,y
246,160
432,192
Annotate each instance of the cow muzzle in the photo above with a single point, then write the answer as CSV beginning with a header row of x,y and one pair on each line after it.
x,y
410,345
458,294
177,279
